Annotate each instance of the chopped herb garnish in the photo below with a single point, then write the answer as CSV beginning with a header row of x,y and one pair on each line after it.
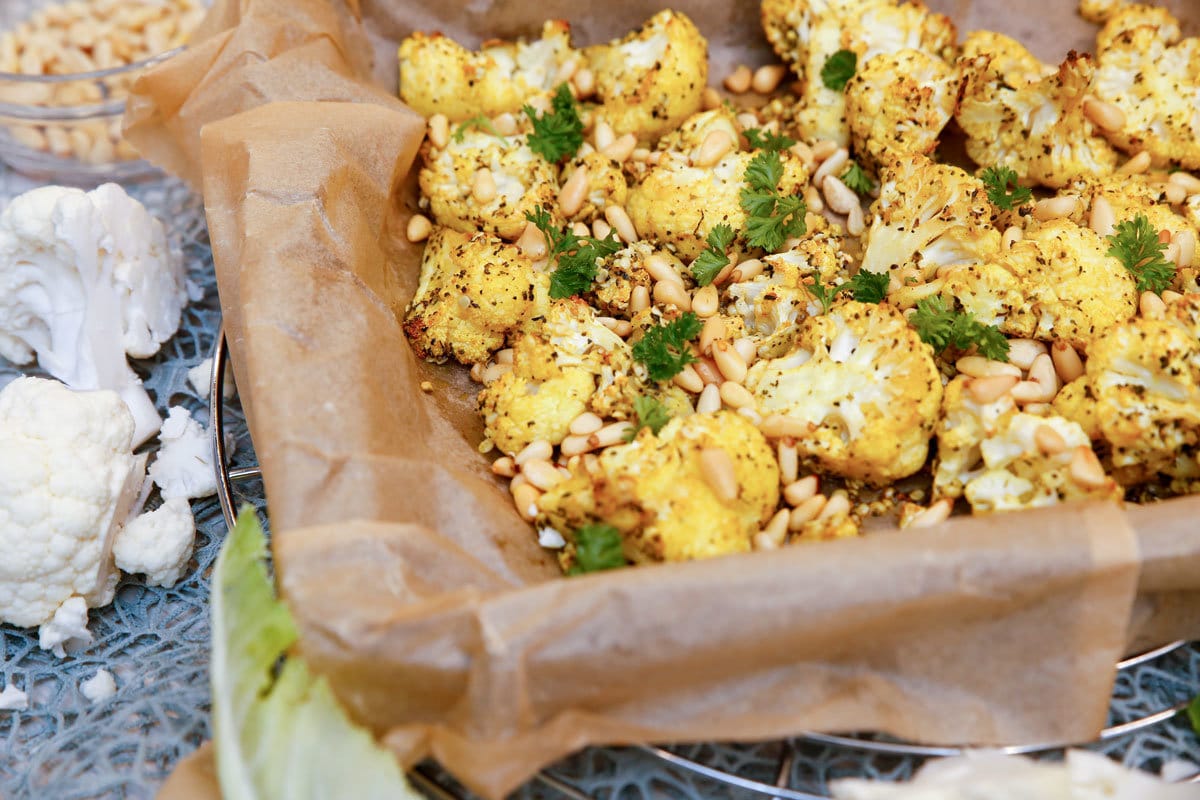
x,y
766,140
864,287
772,217
1135,243
857,179
651,414
480,122
839,69
663,348
940,327
597,547
575,256
557,134
709,264
1003,189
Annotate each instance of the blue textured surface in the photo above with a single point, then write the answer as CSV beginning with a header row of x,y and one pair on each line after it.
x,y
155,642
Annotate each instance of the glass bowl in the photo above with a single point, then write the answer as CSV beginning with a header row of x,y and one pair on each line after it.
x,y
65,72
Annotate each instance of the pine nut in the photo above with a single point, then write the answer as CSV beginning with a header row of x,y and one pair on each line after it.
x,y
714,329
714,147
812,199
621,223
566,71
1066,361
776,530
710,99
762,541
1106,116
621,149
639,299
717,469
1136,165
1043,373
576,445
767,78
580,229
803,152
789,462
601,229
1022,352
1103,220
505,356
1174,193
483,187
729,361
855,224
584,81
1085,469
806,511
746,348
1189,182
980,367
1012,235
1055,207
739,80
538,448
476,372
531,242
439,131
492,372
603,135
504,467
705,301
747,119
797,492
669,293
419,228
837,504
710,400
505,124
585,424
777,426
689,380
541,474
841,198
706,368
936,514
736,396
611,434
1151,306
574,192
660,269
823,149
1186,242
831,166
991,389
747,270
1048,440
525,498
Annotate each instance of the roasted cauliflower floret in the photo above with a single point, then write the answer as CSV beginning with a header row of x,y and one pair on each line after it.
x,y
653,79
1098,11
805,33
523,180
1015,65
1130,195
677,205
1146,70
867,386
1039,130
1145,378
606,185
1002,460
928,216
657,490
473,291
898,103
1057,283
440,76
619,275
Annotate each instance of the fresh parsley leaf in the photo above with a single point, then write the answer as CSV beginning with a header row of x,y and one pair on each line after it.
x,y
839,69
478,121
1003,189
575,256
1193,714
709,264
772,217
1135,243
663,349
825,294
868,287
597,547
856,178
941,327
650,414
557,134
766,140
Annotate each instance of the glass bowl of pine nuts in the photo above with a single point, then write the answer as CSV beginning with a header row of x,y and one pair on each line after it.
x,y
65,71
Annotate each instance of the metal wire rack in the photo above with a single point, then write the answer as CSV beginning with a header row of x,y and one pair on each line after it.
x,y
1144,730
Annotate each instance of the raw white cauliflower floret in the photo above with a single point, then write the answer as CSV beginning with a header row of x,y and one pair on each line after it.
x,y
866,385
928,216
86,278
1151,74
473,292
1039,129
1001,459
897,104
440,76
68,480
654,490
653,79
68,627
524,180
158,544
805,33
183,467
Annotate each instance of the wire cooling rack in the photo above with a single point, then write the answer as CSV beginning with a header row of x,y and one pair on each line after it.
x,y
1145,728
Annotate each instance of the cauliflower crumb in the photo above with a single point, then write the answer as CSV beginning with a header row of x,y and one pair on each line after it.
x,y
184,466
13,699
551,539
67,628
99,687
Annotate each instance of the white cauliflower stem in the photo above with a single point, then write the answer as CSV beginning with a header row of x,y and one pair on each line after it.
x,y
85,278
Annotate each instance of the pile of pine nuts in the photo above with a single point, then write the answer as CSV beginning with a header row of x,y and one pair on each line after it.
x,y
80,37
